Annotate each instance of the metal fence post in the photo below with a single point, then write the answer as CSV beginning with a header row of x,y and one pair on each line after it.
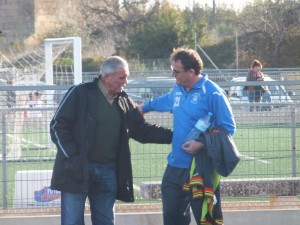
x,y
293,126
4,174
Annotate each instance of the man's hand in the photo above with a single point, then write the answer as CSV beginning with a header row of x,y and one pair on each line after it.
x,y
140,110
192,147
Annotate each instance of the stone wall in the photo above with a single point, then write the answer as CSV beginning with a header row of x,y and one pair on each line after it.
x,y
16,20
239,188
28,20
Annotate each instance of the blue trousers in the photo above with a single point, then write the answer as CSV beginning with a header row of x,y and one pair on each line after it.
x,y
266,97
254,96
101,194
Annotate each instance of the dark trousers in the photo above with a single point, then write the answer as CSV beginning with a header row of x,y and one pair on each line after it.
x,y
175,201
254,96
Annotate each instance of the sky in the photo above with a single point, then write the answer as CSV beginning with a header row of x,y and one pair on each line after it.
x,y
237,4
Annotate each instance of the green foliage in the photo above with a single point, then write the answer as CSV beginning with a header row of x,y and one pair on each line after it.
x,y
223,53
91,64
271,31
140,30
290,49
64,61
158,36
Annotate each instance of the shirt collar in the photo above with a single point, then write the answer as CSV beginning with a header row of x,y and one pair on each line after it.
x,y
104,90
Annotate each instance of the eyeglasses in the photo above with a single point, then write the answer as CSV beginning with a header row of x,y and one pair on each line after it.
x,y
176,72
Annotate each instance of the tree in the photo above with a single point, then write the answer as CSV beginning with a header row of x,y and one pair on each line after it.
x,y
269,27
107,21
144,29
169,28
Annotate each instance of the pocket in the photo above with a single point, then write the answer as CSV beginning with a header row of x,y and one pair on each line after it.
x,y
74,168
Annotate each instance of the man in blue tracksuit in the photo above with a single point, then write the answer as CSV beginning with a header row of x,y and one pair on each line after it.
x,y
193,96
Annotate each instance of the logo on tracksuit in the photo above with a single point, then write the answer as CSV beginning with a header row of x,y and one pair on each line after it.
x,y
195,98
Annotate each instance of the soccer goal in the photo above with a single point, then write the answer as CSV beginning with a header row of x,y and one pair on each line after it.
x,y
67,68
56,61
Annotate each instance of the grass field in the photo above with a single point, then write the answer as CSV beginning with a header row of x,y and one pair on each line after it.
x,y
266,153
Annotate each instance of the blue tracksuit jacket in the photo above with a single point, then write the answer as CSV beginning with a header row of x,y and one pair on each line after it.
x,y
187,108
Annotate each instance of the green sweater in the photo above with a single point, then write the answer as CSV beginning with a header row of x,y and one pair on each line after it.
x,y
105,146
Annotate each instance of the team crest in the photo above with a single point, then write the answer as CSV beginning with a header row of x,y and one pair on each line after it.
x,y
195,98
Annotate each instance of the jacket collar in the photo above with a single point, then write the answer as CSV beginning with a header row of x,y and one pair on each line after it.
x,y
201,82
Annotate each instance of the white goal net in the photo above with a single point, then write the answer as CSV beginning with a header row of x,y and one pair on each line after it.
x,y
57,61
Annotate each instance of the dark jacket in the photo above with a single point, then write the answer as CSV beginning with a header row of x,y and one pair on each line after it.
x,y
218,157
222,151
73,128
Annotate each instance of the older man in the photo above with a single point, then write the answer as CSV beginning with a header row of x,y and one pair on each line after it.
x,y
91,129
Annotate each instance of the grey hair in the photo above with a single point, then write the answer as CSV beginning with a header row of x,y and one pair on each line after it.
x,y
112,63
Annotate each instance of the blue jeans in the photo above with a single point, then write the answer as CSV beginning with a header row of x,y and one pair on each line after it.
x,y
254,96
266,97
101,194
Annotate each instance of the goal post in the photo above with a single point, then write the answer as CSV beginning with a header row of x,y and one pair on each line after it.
x,y
50,44
77,60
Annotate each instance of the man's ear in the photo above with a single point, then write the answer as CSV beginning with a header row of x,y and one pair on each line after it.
x,y
106,77
192,71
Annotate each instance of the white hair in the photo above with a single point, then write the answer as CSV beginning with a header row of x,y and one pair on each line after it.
x,y
112,63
